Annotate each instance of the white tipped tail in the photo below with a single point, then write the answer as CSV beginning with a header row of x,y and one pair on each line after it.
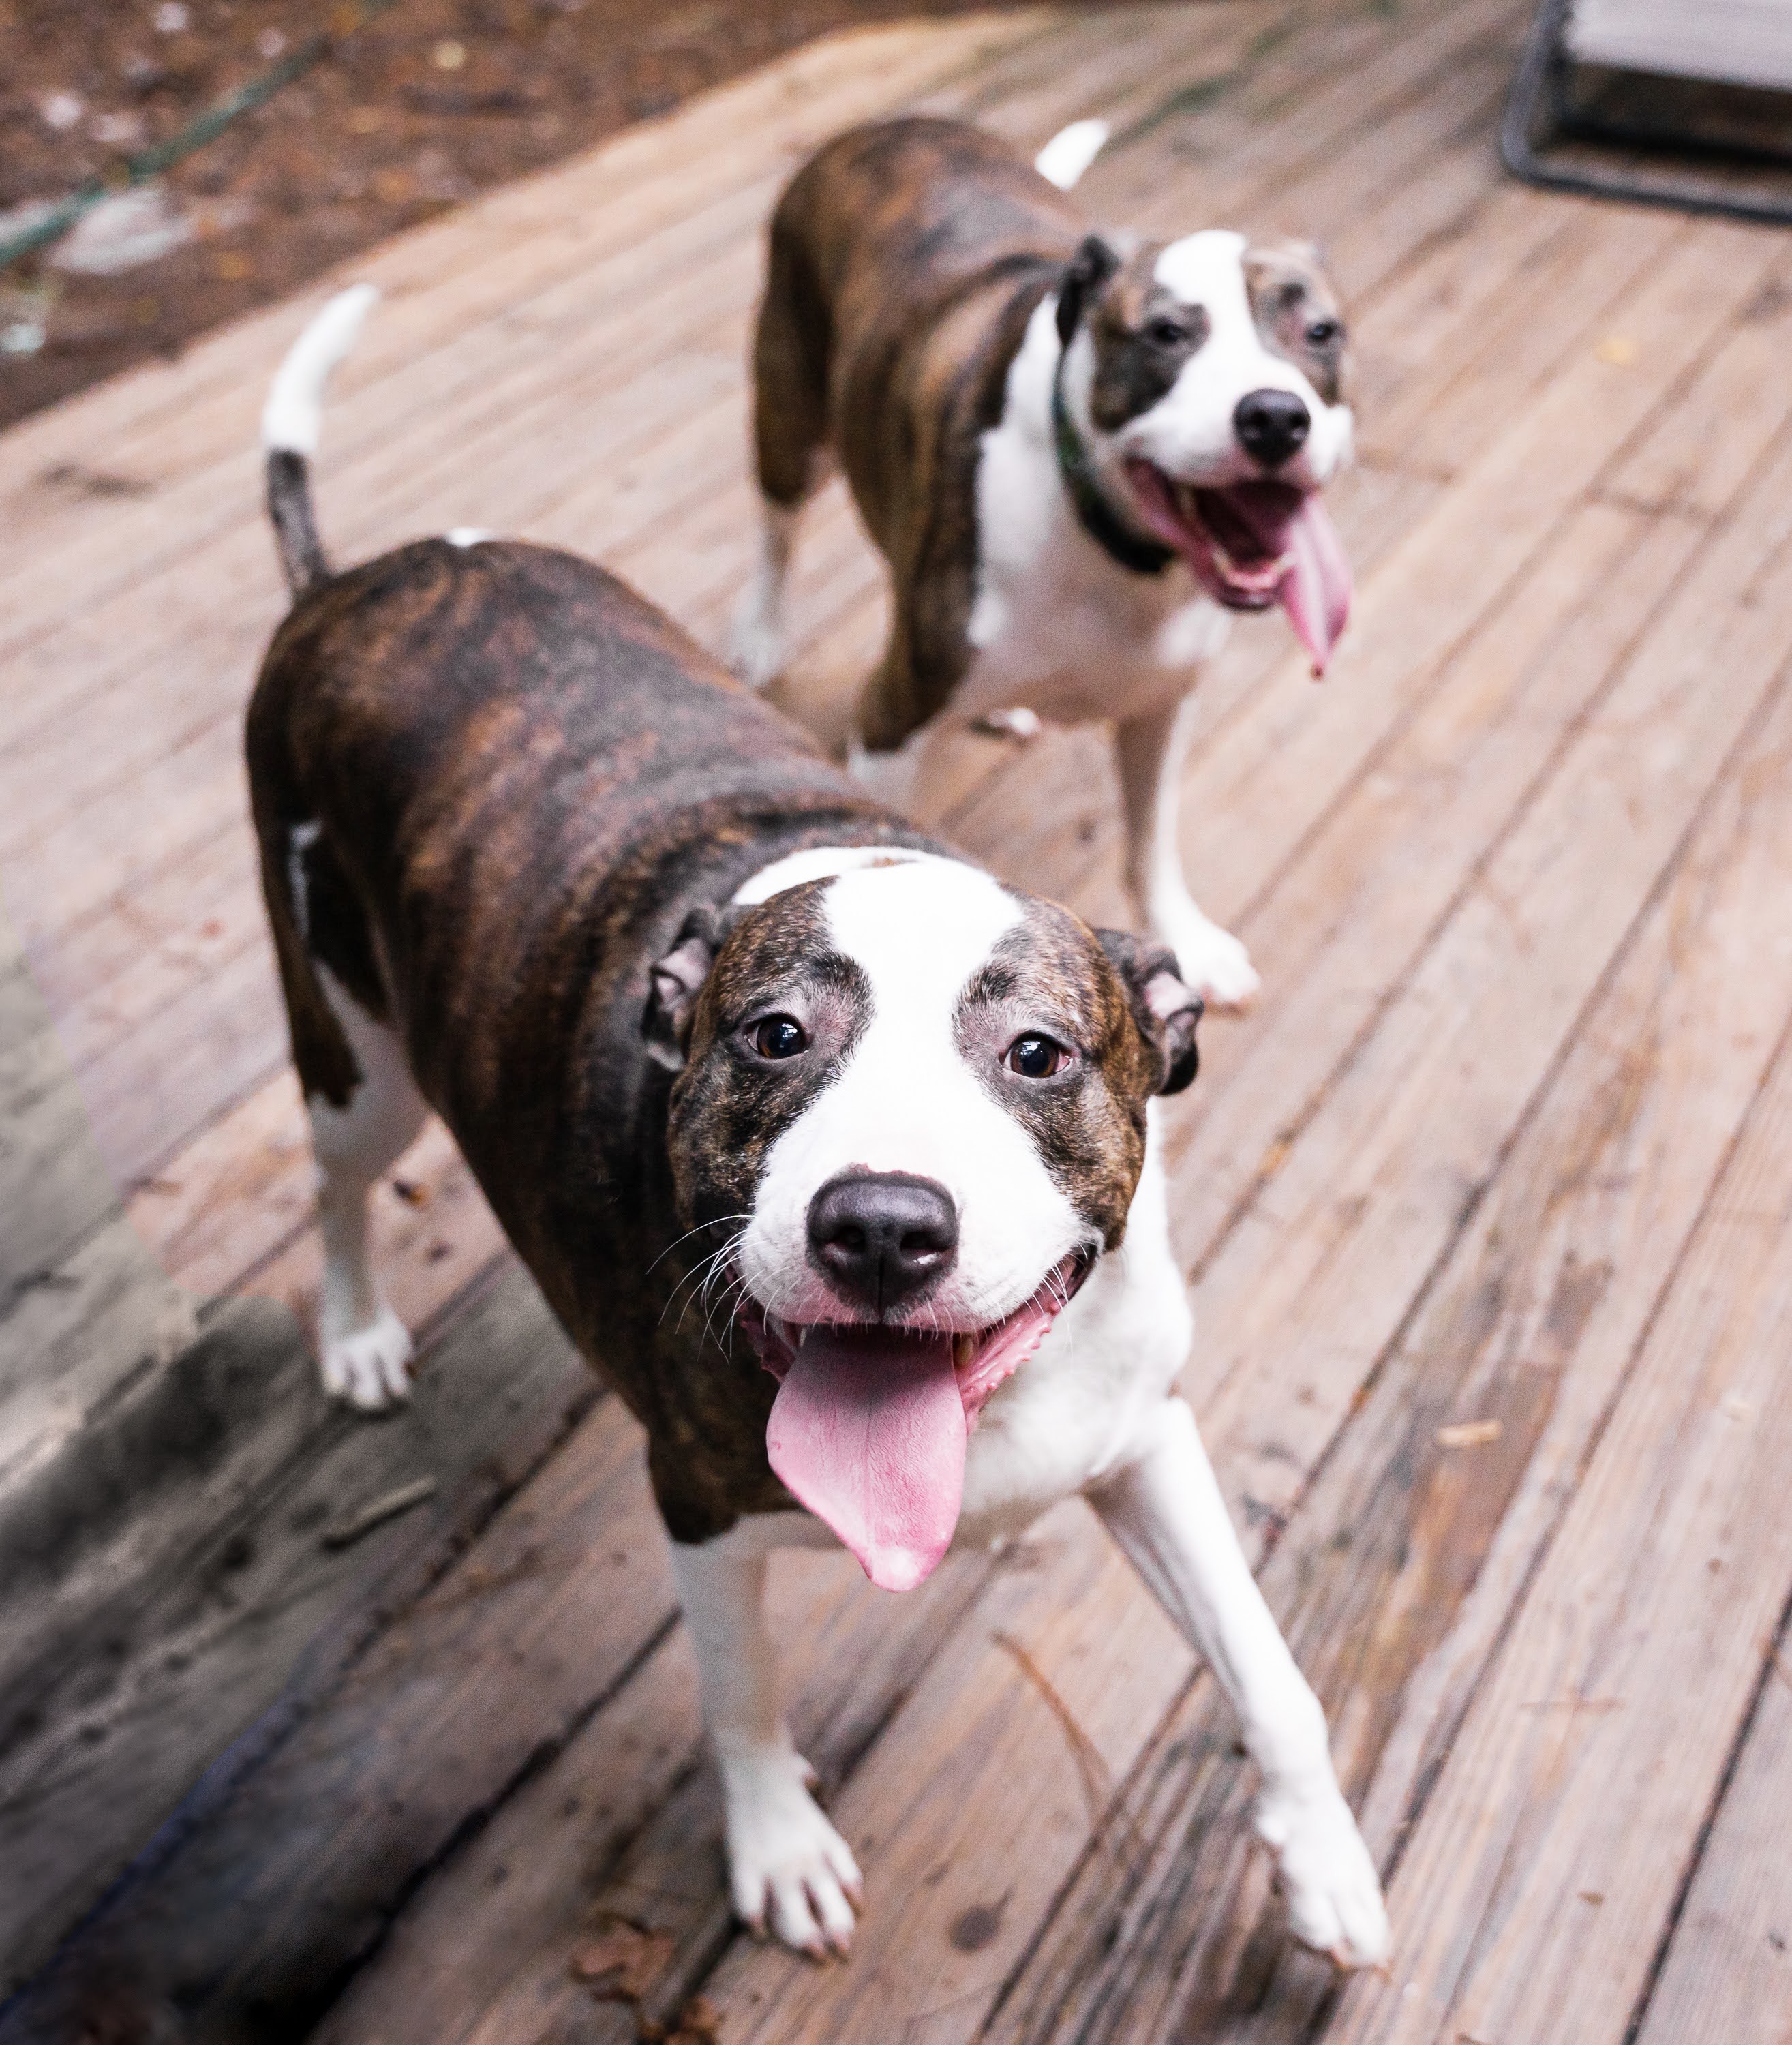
x,y
293,417
1070,152
292,420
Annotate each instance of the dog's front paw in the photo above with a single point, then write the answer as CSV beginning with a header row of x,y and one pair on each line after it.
x,y
369,1368
1213,961
790,1872
1334,1893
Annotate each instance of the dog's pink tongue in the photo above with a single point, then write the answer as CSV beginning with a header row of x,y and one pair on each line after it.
x,y
1315,592
868,1430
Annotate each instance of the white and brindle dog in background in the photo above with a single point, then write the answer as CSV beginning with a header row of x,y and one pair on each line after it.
x,y
836,1157
1077,456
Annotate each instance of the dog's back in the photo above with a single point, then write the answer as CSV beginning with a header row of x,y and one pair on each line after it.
x,y
489,784
973,237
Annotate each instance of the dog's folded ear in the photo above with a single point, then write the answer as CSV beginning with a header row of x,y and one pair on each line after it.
x,y
1093,263
1166,1010
675,980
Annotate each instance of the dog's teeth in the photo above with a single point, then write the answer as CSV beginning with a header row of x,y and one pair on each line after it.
x,y
964,1348
801,1335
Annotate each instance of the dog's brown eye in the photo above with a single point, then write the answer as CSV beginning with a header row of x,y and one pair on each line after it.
x,y
779,1037
1322,333
1166,333
1036,1057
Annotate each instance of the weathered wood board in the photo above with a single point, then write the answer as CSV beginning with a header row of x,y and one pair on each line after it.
x,y
1484,1208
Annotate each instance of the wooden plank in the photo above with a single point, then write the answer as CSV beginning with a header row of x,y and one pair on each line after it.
x,y
1726,1974
1537,1885
511,1646
168,1570
481,1956
82,1305
1399,1569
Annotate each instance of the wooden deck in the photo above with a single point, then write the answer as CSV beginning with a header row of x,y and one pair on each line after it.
x,y
1486,1210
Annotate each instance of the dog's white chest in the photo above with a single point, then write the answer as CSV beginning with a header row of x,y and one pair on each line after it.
x,y
1057,624
1077,1408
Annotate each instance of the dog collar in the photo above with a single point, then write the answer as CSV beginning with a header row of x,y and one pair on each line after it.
x,y
1098,518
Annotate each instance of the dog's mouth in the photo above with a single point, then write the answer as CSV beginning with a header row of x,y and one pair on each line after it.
x,y
1251,544
869,1427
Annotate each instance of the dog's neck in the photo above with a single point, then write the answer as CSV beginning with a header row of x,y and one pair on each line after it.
x,y
1094,509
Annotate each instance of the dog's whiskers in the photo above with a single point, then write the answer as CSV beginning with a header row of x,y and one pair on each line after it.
x,y
715,1221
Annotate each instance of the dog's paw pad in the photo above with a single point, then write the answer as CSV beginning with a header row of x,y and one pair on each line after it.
x,y
369,1368
1334,1894
790,1871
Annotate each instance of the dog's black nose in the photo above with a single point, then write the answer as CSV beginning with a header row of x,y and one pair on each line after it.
x,y
1271,424
882,1235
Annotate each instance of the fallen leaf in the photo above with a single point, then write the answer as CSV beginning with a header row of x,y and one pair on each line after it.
x,y
622,1961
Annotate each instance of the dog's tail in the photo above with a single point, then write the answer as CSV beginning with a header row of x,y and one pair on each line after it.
x,y
291,421
1070,152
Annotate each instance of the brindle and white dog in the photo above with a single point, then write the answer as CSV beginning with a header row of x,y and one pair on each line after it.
x,y
1078,457
834,1155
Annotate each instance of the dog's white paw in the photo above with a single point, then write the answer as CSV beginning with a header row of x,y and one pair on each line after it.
x,y
1212,962
756,650
369,1368
1334,1893
790,1872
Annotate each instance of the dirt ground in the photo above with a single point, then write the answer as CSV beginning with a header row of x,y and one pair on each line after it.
x,y
416,111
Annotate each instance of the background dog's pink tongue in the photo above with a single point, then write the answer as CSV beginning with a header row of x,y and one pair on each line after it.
x,y
868,1430
1315,592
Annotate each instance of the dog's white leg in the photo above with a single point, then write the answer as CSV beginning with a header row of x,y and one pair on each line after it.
x,y
756,648
1152,751
1166,1512
366,1348
788,1868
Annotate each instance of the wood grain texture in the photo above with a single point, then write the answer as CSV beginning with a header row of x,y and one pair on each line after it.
x,y
1727,1974
166,1572
1544,1869
1399,1567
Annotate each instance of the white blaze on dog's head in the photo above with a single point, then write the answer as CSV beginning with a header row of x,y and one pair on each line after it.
x,y
923,1096
1206,377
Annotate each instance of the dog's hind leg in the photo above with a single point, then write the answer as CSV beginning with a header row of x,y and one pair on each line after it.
x,y
790,444
365,1348
1166,1512
363,1108
1151,750
789,1870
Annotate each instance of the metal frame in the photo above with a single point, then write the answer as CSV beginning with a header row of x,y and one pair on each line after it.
x,y
1534,112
